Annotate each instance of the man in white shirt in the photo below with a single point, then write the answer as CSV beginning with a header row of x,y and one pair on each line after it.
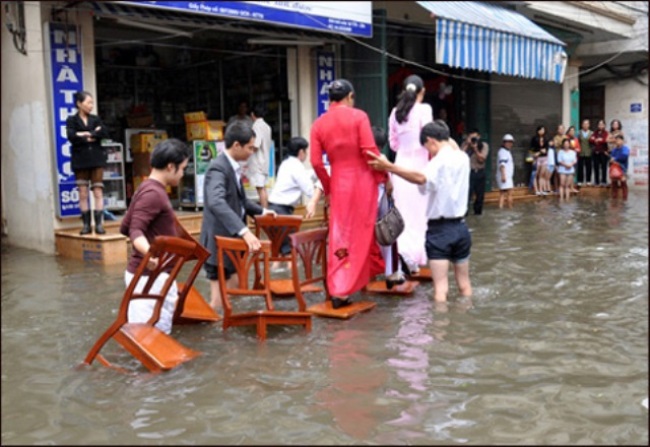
x,y
258,164
292,182
445,179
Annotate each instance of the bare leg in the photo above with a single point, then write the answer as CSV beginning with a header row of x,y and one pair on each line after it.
x,y
215,293
98,192
439,271
502,197
461,273
83,198
510,198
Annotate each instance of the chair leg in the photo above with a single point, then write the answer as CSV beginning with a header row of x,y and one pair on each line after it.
x,y
261,329
94,351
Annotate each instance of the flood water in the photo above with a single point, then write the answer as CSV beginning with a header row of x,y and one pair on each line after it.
x,y
553,350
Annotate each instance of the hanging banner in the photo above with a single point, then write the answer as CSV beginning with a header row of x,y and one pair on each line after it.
x,y
66,78
355,19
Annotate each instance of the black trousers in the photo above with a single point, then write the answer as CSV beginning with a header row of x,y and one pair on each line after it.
x,y
584,169
600,168
477,186
285,249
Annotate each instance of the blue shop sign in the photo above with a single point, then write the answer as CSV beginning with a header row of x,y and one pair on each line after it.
x,y
66,76
353,18
636,107
325,73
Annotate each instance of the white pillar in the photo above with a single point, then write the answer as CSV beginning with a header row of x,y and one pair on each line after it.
x,y
306,91
292,89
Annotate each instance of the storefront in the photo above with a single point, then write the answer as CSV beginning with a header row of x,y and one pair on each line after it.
x,y
152,61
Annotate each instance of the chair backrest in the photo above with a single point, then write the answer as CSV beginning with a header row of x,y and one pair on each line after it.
x,y
277,229
181,231
242,259
172,253
200,255
310,247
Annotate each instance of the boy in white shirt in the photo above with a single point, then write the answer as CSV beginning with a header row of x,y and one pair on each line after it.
x,y
292,182
445,179
505,171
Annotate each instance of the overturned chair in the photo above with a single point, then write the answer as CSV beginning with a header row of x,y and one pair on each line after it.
x,y
156,350
236,251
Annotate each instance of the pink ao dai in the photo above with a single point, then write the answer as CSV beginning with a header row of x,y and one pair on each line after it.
x,y
404,139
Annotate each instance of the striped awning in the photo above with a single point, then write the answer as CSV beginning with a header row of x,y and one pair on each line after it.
x,y
485,37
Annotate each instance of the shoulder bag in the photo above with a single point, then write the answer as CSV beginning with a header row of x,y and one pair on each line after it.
x,y
389,226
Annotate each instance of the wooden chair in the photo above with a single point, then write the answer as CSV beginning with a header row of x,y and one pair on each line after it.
x,y
152,347
405,289
277,229
423,275
310,247
191,306
242,259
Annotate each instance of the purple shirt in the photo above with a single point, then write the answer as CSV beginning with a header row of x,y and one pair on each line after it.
x,y
150,214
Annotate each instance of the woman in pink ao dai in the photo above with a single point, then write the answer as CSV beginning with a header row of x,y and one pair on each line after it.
x,y
404,125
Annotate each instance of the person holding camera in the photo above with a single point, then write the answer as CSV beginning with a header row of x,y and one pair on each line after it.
x,y
478,151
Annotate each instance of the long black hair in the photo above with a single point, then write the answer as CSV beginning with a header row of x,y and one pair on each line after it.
x,y
413,85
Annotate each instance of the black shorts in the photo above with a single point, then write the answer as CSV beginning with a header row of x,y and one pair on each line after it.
x,y
212,271
449,240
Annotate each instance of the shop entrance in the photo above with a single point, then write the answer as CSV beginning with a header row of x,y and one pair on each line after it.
x,y
151,78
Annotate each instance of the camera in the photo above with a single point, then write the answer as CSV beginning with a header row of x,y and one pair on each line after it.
x,y
473,140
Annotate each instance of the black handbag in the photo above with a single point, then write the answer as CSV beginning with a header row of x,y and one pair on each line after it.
x,y
389,226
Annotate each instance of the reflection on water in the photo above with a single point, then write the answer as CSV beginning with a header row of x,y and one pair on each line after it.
x,y
552,350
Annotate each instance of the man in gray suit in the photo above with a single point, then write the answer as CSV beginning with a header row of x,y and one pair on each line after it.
x,y
225,204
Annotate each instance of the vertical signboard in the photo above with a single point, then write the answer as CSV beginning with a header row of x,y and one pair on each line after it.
x,y
66,78
325,74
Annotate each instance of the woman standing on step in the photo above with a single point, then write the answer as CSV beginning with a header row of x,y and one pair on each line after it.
x,y
85,132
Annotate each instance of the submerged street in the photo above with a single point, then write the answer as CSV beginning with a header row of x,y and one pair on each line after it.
x,y
553,349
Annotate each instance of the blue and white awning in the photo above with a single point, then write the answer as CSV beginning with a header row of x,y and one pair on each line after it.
x,y
481,36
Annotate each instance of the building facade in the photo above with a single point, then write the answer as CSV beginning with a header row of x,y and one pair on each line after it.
x,y
591,62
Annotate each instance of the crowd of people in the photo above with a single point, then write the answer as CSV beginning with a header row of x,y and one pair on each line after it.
x,y
568,159
430,181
